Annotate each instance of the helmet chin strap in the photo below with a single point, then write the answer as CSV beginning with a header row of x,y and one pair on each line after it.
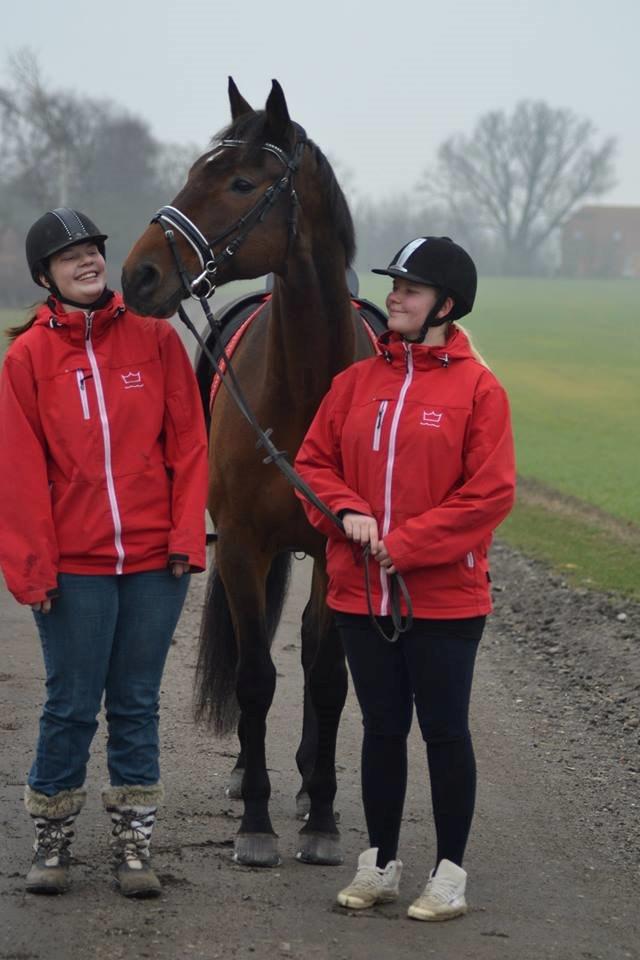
x,y
96,304
432,318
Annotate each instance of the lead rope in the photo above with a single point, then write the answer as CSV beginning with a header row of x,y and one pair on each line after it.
x,y
398,587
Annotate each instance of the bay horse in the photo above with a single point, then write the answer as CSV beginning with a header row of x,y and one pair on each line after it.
x,y
270,200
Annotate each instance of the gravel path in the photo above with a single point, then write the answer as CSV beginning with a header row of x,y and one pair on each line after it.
x,y
553,859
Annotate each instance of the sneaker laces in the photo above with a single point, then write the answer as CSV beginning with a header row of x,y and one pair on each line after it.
x,y
441,889
367,878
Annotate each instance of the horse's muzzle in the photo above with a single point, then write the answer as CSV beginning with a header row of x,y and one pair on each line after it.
x,y
140,288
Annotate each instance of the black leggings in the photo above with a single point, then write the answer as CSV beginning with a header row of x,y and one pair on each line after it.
x,y
431,665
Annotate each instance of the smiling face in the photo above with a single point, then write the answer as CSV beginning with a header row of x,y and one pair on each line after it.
x,y
79,272
408,305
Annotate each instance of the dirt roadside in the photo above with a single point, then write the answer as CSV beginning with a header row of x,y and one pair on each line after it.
x,y
553,859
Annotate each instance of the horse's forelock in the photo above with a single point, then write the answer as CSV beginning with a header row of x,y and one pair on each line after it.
x,y
249,127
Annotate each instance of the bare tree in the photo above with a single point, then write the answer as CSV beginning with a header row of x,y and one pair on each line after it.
x,y
58,148
523,175
46,136
172,165
384,225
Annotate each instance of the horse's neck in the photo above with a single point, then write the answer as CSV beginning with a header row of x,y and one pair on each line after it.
x,y
312,327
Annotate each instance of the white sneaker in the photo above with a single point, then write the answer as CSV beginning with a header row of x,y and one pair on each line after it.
x,y
443,897
371,884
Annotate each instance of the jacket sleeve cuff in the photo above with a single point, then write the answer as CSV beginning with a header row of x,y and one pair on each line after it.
x,y
396,552
355,506
37,596
185,558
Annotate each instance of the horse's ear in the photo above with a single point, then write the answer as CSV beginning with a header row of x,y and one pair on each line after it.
x,y
238,103
278,120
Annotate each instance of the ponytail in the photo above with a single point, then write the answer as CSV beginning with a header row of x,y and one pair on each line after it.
x,y
474,350
14,332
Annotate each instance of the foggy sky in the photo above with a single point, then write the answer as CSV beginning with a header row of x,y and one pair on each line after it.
x,y
377,85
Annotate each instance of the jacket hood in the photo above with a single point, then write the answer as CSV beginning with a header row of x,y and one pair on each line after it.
x,y
52,314
394,349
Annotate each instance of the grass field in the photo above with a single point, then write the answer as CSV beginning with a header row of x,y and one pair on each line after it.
x,y
568,352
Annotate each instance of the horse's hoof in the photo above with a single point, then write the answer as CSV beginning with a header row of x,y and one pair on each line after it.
x,y
320,848
234,789
303,806
256,850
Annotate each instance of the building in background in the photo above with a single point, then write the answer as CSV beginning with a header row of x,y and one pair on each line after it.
x,y
602,242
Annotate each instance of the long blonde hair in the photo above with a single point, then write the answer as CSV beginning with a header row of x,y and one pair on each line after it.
x,y
474,350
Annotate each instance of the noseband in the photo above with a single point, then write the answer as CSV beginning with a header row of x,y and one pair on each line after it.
x,y
170,218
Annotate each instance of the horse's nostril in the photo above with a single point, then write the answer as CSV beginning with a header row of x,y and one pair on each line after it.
x,y
140,285
147,279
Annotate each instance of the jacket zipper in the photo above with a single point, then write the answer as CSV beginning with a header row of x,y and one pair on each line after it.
x,y
471,562
84,400
393,433
378,427
106,437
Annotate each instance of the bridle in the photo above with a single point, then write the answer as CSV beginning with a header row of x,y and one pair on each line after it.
x,y
170,218
203,286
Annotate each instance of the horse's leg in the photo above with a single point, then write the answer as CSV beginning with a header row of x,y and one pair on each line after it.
x,y
245,577
320,838
234,787
276,591
306,752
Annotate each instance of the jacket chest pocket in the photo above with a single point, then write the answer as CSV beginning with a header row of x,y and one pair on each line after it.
x,y
81,382
377,430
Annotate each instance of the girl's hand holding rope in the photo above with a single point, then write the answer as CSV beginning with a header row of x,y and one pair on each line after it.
x,y
363,529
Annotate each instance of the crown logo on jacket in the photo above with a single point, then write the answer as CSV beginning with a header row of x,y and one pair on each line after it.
x,y
430,418
132,380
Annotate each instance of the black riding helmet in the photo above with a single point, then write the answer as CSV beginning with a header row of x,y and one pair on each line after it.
x,y
55,231
438,262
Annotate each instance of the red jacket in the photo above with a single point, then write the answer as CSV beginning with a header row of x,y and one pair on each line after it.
x,y
420,438
103,453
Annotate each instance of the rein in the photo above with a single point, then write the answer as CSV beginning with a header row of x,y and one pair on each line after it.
x,y
203,286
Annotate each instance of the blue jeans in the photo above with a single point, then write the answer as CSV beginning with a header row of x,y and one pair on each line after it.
x,y
105,635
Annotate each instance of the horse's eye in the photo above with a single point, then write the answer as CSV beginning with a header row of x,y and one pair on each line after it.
x,y
240,185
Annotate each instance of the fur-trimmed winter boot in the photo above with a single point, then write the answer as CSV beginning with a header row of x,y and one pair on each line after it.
x,y
53,818
133,814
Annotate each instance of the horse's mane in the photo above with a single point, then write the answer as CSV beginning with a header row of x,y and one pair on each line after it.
x,y
250,127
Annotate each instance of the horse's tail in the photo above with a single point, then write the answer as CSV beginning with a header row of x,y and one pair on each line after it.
x,y
215,697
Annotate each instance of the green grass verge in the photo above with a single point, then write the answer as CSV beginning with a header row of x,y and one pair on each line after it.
x,y
585,554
